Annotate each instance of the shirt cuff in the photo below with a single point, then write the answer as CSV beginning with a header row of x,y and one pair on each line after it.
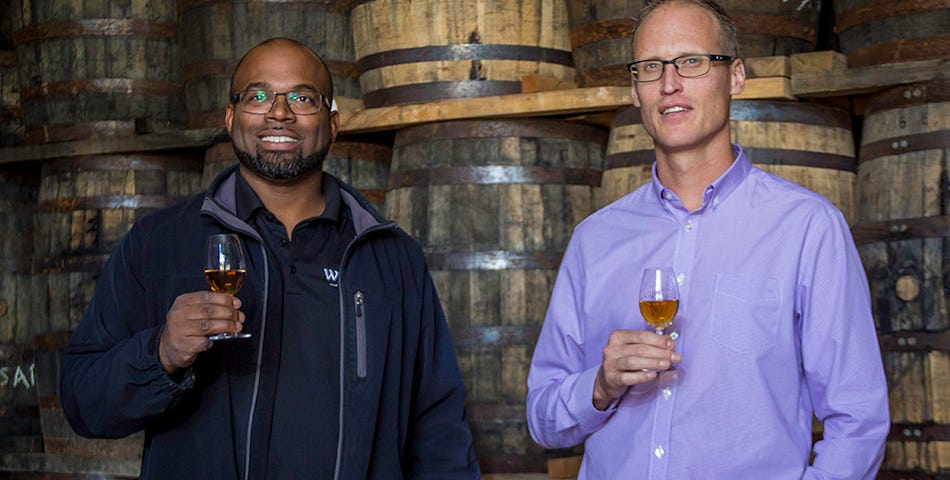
x,y
582,402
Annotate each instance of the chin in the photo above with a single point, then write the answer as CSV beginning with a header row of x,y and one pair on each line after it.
x,y
282,165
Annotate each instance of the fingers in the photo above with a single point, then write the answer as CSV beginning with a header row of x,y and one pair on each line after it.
x,y
192,318
631,357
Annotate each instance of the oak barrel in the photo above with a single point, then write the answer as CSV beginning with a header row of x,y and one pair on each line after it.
x,y
493,204
11,115
19,188
363,165
92,69
19,414
806,143
873,32
86,205
903,236
218,157
215,34
111,457
411,51
602,32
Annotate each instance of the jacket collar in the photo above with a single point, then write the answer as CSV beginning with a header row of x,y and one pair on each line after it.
x,y
220,202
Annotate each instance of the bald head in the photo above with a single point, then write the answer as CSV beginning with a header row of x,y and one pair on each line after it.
x,y
274,46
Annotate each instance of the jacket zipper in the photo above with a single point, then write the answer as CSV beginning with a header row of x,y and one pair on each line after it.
x,y
361,357
360,336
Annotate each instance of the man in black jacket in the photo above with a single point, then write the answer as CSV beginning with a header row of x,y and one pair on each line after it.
x,y
349,372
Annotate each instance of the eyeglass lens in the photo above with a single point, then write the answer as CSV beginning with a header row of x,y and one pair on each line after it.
x,y
301,102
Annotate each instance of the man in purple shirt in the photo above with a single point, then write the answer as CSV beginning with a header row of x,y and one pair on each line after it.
x,y
774,322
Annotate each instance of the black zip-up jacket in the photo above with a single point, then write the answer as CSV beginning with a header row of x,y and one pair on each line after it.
x,y
402,412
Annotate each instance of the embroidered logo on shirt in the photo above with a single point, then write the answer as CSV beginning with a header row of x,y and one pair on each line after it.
x,y
332,276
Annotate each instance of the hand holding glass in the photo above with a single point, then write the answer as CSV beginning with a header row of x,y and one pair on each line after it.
x,y
225,270
659,297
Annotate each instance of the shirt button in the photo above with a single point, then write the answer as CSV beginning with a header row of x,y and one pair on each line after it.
x,y
667,393
680,278
293,269
667,195
689,225
658,451
716,201
283,242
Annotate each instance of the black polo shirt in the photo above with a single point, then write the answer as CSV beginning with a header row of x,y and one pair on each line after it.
x,y
306,318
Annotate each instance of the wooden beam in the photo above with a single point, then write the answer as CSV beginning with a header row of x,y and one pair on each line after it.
x,y
163,140
535,104
859,80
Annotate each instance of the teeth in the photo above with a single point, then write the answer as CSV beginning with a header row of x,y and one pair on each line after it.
x,y
673,110
278,139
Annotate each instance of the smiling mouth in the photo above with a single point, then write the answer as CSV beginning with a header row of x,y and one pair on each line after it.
x,y
673,110
279,139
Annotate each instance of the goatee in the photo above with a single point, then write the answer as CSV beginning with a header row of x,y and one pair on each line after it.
x,y
281,165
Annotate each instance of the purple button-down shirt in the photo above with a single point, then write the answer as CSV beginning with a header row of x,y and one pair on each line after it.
x,y
774,324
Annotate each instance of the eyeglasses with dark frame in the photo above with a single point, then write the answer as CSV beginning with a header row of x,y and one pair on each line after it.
x,y
686,66
258,101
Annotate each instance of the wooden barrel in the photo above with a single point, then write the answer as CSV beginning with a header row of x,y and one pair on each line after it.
x,y
6,26
80,455
19,415
218,157
19,187
11,115
903,236
493,204
215,34
774,28
873,32
364,165
417,51
602,32
86,205
92,70
806,143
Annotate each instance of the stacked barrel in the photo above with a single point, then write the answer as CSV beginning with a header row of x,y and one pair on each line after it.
x,y
492,201
89,72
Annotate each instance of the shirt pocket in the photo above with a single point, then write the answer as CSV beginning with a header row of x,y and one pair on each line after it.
x,y
745,312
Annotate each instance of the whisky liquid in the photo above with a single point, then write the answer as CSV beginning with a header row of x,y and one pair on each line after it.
x,y
225,281
658,313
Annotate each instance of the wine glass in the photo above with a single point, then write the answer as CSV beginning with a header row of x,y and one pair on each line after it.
x,y
659,297
225,270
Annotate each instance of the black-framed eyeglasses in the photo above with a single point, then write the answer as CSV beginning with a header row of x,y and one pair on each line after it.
x,y
259,101
692,65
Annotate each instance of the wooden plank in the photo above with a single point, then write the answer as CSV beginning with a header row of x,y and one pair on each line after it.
x,y
537,104
165,140
556,102
813,62
777,66
768,88
867,79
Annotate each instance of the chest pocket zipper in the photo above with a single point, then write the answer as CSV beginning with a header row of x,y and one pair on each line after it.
x,y
360,336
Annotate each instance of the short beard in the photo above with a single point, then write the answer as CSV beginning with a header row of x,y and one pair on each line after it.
x,y
281,165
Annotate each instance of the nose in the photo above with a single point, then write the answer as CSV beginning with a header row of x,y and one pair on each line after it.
x,y
281,111
670,81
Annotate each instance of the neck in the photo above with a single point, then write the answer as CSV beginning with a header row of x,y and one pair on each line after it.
x,y
689,172
291,201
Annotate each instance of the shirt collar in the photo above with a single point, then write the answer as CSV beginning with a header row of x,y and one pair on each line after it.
x,y
719,189
248,203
